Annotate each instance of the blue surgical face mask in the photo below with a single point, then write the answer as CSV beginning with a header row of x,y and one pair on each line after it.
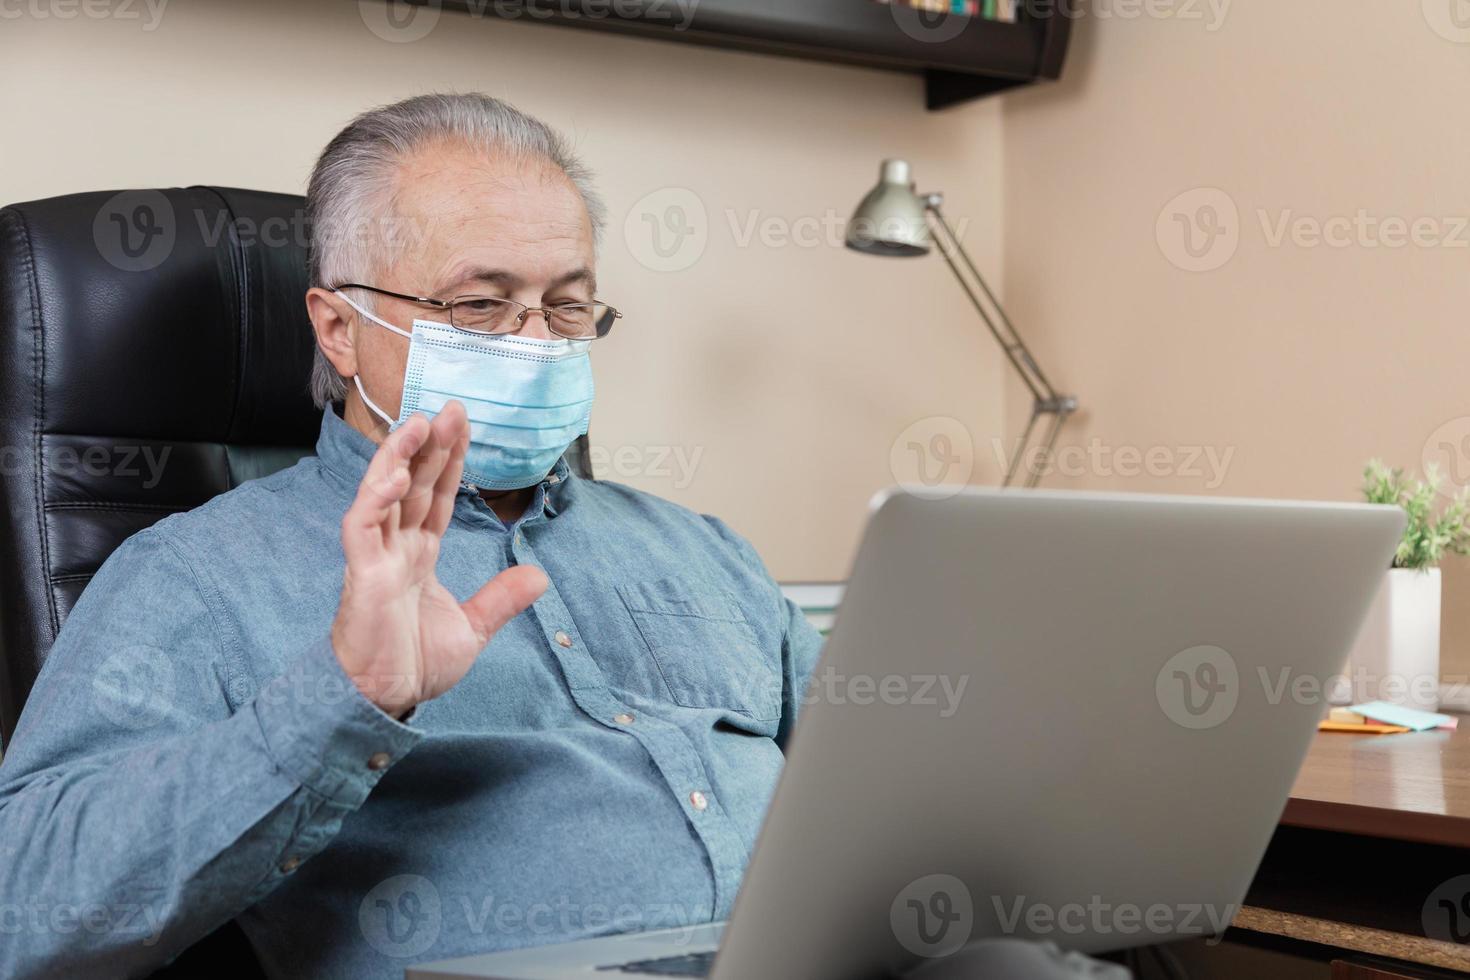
x,y
528,400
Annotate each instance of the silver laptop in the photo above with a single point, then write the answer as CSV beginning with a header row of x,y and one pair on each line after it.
x,y
1064,716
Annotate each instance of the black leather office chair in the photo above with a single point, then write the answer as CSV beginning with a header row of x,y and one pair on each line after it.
x,y
134,324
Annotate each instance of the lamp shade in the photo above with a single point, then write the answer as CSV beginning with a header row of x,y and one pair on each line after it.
x,y
891,219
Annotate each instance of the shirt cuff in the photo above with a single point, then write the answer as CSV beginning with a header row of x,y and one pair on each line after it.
x,y
320,729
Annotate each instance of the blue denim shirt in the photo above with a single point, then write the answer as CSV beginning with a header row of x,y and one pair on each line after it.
x,y
193,753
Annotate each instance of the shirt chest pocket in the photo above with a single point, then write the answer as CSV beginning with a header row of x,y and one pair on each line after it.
x,y
705,651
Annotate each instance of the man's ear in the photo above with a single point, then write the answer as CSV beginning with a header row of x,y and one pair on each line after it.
x,y
331,321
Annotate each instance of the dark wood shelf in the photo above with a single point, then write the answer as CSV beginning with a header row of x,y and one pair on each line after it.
x,y
959,58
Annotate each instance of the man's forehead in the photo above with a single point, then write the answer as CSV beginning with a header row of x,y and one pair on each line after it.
x,y
493,219
457,183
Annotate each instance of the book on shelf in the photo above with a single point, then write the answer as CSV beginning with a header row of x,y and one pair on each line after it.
x,y
1004,11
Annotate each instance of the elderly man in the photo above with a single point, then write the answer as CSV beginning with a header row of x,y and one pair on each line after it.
x,y
428,693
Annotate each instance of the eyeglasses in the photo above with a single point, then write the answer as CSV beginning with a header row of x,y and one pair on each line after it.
x,y
493,315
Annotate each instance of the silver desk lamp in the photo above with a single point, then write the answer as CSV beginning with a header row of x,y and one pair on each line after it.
x,y
894,220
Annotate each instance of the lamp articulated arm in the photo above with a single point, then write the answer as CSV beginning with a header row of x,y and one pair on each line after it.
x,y
1045,400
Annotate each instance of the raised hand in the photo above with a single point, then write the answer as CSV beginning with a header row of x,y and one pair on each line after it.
x,y
399,634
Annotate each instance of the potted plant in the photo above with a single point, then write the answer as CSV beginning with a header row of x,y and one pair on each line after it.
x,y
1396,656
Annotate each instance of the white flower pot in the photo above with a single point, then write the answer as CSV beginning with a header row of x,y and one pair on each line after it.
x,y
1396,656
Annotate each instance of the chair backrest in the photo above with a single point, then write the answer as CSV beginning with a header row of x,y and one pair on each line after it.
x,y
154,351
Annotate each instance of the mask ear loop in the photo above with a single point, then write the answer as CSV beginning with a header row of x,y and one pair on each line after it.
x,y
357,379
372,405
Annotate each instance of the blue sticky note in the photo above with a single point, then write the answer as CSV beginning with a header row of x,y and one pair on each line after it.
x,y
1397,714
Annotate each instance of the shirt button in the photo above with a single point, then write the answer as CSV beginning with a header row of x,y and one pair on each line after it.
x,y
379,761
562,638
698,800
290,864
623,719
518,537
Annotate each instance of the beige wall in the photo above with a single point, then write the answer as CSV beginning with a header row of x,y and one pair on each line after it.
x,y
783,364
782,367
1299,359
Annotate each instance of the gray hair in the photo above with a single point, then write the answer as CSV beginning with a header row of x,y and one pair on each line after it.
x,y
349,197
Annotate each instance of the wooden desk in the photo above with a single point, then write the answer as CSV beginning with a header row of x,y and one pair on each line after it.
x,y
1413,787
1375,825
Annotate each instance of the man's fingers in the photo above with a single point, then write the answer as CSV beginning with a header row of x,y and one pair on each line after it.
x,y
425,468
447,488
368,521
503,598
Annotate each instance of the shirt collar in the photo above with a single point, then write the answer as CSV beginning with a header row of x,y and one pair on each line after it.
x,y
346,452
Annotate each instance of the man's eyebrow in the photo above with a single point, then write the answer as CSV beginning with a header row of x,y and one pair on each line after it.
x,y
582,275
509,280
480,274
